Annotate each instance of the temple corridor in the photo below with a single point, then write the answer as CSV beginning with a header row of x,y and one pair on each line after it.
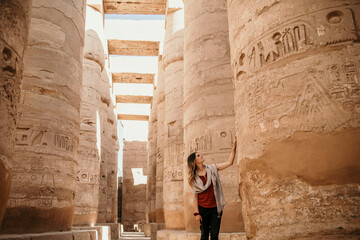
x,y
102,102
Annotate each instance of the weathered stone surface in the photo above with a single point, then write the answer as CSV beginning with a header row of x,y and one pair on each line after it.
x,y
133,48
125,77
112,166
43,190
114,229
160,97
73,235
151,164
119,202
103,232
173,65
88,169
296,71
14,29
182,235
135,6
134,189
107,210
208,102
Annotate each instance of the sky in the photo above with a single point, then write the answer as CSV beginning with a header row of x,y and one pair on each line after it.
x,y
134,27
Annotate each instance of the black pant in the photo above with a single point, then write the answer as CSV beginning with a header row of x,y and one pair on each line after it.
x,y
210,223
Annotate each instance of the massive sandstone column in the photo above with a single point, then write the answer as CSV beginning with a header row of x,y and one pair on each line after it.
x,y
107,210
160,102
297,104
44,180
88,170
173,65
151,164
14,28
105,101
208,102
111,216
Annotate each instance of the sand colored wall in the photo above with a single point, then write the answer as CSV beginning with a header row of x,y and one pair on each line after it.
x,y
296,65
44,179
14,29
151,164
160,102
88,168
208,103
173,65
133,196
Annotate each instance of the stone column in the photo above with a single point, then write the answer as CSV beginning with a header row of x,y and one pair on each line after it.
x,y
297,104
104,208
14,29
173,65
44,179
160,98
87,188
111,216
208,102
151,164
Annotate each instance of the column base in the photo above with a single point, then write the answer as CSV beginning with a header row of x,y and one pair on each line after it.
x,y
70,235
150,229
104,232
114,229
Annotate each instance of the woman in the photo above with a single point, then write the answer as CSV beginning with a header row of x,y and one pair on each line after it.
x,y
209,197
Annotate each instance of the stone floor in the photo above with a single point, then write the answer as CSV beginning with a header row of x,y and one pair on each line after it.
x,y
68,235
182,235
133,236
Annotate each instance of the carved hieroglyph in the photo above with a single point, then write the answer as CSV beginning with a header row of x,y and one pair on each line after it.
x,y
14,28
173,65
160,102
88,168
44,179
134,189
208,103
297,103
151,164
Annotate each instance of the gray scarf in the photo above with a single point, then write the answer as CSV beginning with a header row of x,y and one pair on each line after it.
x,y
212,177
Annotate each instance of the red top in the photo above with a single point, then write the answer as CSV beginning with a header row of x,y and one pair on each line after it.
x,y
206,199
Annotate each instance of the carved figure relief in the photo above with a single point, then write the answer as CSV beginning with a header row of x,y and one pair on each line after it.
x,y
333,26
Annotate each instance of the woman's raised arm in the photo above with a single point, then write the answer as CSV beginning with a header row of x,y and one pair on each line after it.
x,y
230,161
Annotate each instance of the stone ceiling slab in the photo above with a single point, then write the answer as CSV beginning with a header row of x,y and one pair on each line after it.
x,y
143,78
149,7
133,48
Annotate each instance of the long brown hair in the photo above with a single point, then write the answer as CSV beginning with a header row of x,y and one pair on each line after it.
x,y
192,168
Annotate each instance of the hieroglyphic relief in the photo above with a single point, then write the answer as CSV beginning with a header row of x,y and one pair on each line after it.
x,y
202,143
273,101
286,41
173,174
333,26
345,86
44,138
219,139
85,177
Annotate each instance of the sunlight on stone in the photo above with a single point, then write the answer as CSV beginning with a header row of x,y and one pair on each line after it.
x,y
138,176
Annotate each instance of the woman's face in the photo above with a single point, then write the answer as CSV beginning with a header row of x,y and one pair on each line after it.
x,y
199,158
